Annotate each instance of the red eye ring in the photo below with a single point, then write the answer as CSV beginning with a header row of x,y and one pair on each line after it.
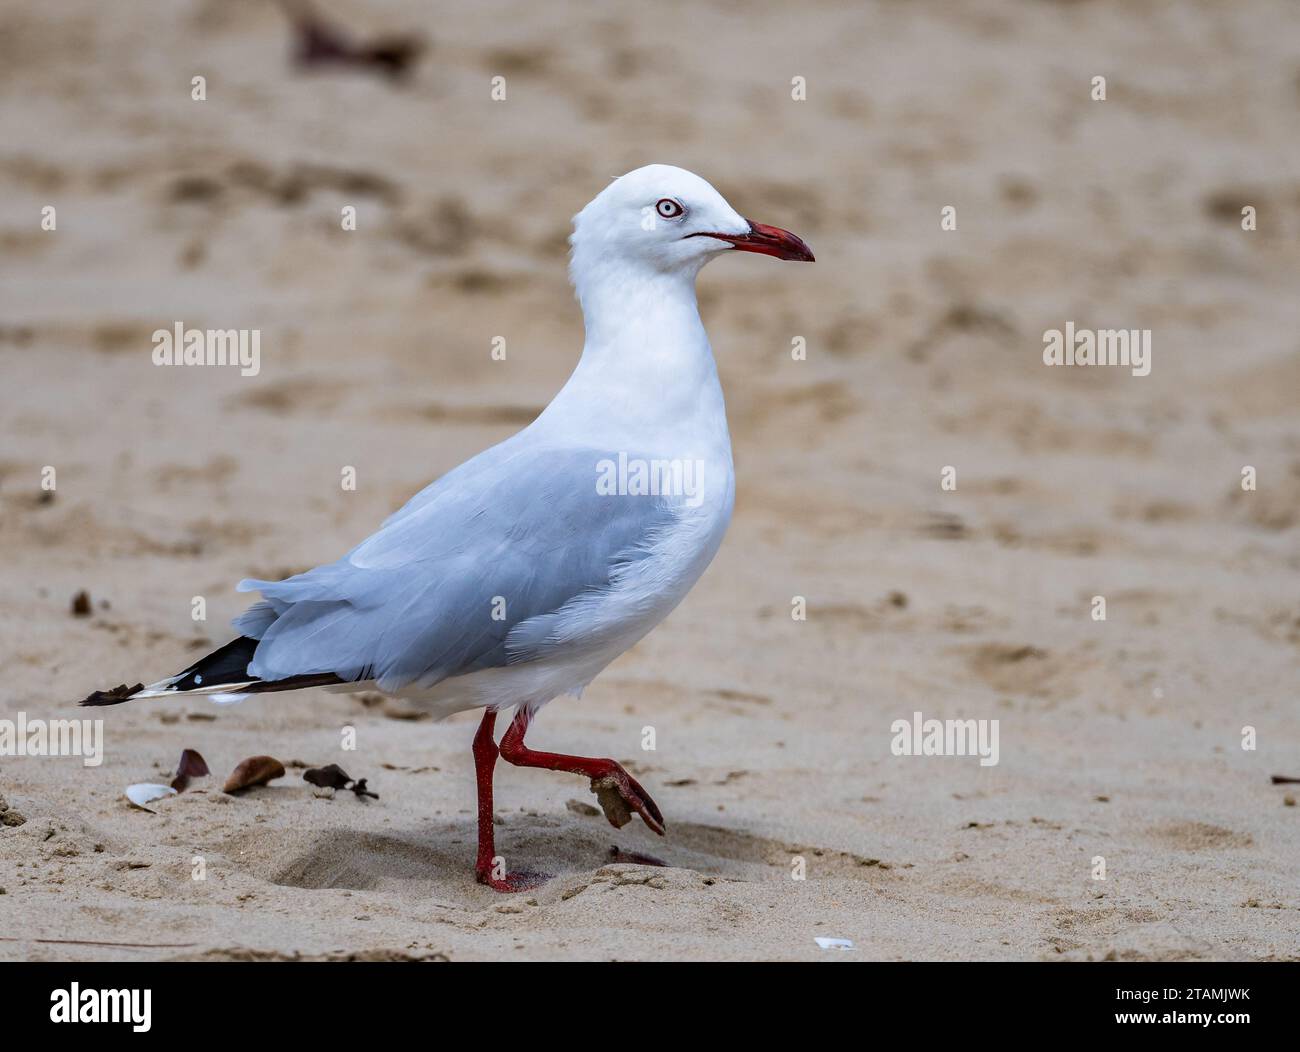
x,y
667,208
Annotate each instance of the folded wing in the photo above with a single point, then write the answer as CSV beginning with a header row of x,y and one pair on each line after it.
x,y
504,540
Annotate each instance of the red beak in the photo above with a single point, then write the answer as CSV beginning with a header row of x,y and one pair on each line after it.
x,y
769,241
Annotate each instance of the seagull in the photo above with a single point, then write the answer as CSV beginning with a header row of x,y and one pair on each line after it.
x,y
520,575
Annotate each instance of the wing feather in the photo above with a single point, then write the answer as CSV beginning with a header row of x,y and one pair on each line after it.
x,y
436,592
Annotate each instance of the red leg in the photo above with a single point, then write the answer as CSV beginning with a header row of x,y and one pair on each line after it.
x,y
618,792
485,759
487,868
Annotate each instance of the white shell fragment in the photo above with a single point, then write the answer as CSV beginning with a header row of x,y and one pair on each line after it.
x,y
833,944
144,792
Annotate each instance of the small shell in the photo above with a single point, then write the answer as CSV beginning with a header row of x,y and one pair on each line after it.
x,y
192,765
144,792
256,770
331,777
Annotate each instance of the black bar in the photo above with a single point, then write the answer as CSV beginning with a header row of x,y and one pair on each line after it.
x,y
358,1001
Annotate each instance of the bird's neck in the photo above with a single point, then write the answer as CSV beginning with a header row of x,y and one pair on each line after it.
x,y
646,364
627,308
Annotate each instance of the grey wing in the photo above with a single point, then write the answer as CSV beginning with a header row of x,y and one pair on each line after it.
x,y
436,592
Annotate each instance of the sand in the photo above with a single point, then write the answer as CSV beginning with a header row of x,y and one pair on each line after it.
x,y
1119,739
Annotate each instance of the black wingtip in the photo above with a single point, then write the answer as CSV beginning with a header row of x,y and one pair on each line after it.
x,y
115,696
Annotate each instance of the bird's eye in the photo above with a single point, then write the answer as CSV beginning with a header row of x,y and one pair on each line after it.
x,y
670,209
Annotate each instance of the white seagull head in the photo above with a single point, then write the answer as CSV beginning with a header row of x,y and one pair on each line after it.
x,y
667,219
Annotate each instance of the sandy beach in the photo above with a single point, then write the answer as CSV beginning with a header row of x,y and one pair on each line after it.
x,y
1119,739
